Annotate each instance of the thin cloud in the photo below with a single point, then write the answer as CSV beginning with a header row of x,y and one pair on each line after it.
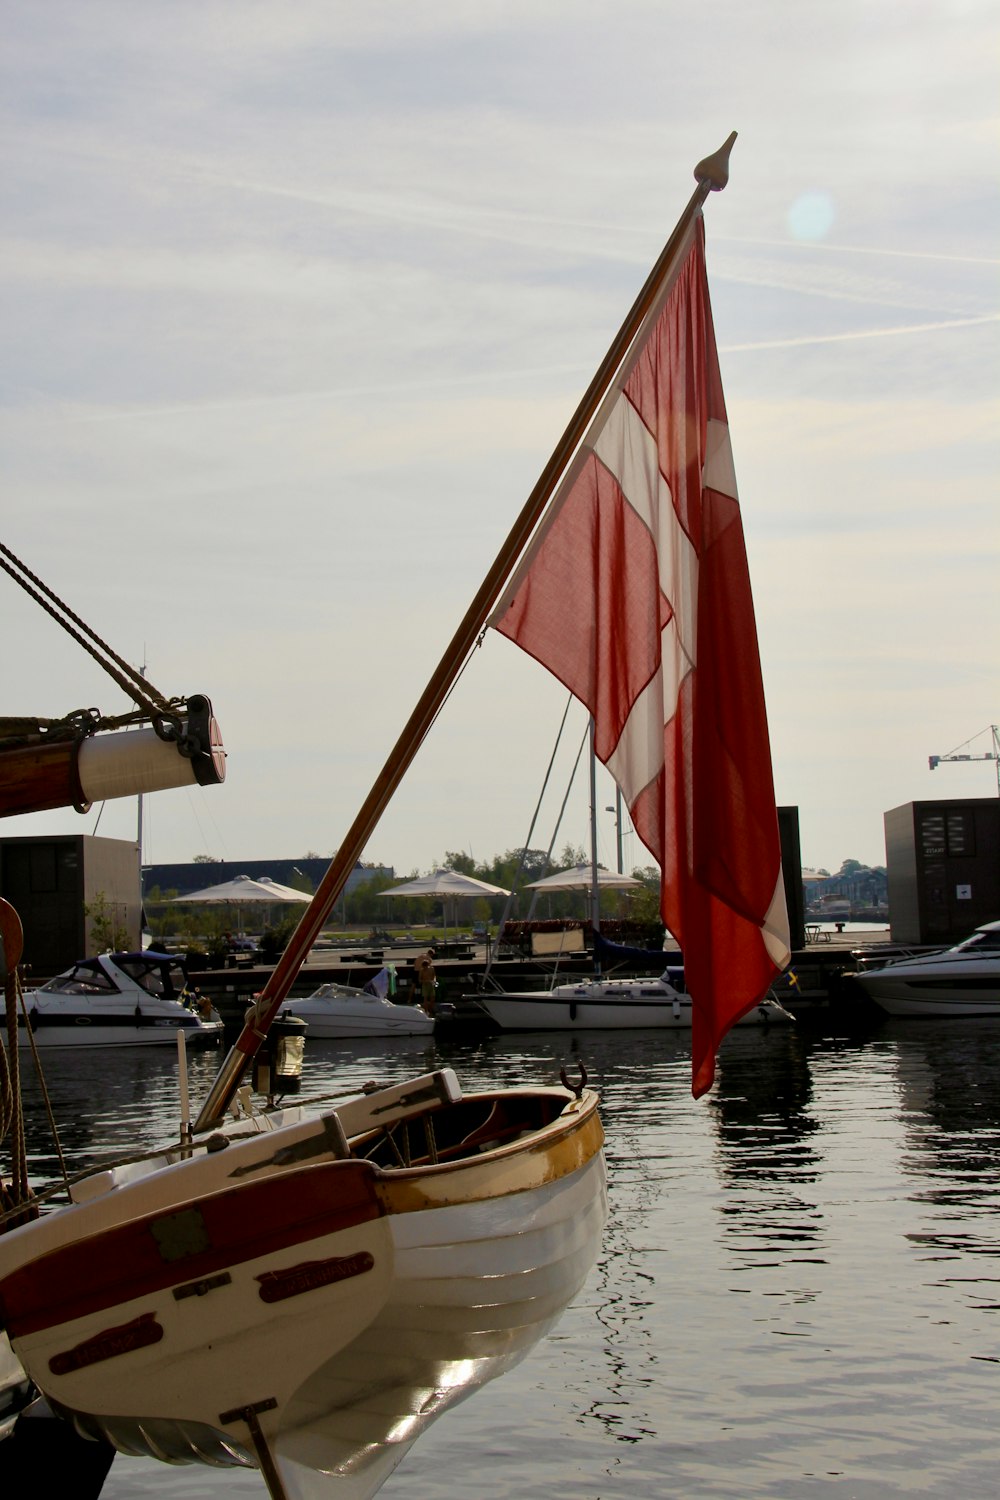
x,y
898,331
830,247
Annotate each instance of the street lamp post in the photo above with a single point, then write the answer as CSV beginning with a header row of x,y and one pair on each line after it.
x,y
617,810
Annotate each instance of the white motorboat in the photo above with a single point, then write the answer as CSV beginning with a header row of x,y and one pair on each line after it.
x,y
609,1005
118,1000
341,1010
959,981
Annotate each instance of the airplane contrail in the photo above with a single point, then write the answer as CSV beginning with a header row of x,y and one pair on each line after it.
x,y
896,331
833,247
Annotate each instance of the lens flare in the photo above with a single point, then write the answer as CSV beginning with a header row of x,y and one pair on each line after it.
x,y
811,216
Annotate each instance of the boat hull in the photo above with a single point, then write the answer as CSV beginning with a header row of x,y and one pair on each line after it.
x,y
367,1301
118,1031
337,1030
542,1013
330,1017
589,1009
906,990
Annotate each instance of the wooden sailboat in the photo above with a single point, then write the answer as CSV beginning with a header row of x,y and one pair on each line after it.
x,y
305,1291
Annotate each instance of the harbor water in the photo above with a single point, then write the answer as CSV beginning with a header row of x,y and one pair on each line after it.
x,y
799,1289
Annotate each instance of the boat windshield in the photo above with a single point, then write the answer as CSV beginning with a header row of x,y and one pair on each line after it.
x,y
85,978
156,975
982,942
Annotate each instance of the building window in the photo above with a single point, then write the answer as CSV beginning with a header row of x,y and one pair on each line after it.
x,y
932,836
949,835
961,834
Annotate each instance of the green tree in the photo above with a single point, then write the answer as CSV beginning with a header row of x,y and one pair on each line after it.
x,y
366,903
108,932
642,902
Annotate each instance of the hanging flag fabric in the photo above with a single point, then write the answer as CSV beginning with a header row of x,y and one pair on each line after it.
x,y
635,593
379,985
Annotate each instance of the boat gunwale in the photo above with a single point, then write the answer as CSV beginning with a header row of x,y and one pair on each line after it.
x,y
383,1192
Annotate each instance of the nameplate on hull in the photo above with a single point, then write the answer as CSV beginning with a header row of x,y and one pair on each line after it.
x,y
138,1334
275,1286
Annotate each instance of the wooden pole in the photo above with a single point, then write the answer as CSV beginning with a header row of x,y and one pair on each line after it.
x,y
711,175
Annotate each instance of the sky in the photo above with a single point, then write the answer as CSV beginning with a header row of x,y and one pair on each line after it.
x,y
297,301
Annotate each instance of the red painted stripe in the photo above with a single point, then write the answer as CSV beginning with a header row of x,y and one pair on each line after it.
x,y
190,1241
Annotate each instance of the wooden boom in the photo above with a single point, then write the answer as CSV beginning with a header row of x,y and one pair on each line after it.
x,y
39,770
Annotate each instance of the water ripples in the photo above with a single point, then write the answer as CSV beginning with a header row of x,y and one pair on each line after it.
x,y
798,1288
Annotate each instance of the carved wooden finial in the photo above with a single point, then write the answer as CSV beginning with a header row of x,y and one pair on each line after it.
x,y
715,168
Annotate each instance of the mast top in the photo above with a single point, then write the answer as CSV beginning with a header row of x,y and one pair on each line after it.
x,y
714,169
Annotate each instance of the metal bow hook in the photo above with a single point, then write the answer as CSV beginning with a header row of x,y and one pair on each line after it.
x,y
574,1088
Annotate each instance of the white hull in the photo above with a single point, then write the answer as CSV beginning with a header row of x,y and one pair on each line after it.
x,y
935,994
337,1011
92,1032
960,981
460,1313
369,1300
608,1005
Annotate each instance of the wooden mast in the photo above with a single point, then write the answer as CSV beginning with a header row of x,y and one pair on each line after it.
x,y
711,175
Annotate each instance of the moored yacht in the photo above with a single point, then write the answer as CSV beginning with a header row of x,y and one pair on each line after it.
x,y
959,981
341,1010
116,1000
609,1005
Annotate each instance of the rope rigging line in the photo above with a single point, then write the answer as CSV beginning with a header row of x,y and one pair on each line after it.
x,y
508,905
153,704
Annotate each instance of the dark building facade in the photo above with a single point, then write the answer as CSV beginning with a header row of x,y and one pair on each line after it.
x,y
50,881
791,867
943,861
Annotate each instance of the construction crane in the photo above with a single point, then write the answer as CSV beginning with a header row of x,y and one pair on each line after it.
x,y
960,753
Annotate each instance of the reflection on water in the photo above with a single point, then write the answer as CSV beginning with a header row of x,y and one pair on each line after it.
x,y
798,1289
767,1160
106,1105
950,1090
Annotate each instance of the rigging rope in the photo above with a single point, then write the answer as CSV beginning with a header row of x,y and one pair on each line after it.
x,y
152,703
508,905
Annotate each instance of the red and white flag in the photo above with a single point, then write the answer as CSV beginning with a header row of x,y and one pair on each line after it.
x,y
635,593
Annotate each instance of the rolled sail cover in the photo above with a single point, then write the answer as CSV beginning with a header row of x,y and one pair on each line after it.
x,y
76,773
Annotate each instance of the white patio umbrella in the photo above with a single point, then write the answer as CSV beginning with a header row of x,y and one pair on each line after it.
x,y
446,885
581,878
284,892
243,891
